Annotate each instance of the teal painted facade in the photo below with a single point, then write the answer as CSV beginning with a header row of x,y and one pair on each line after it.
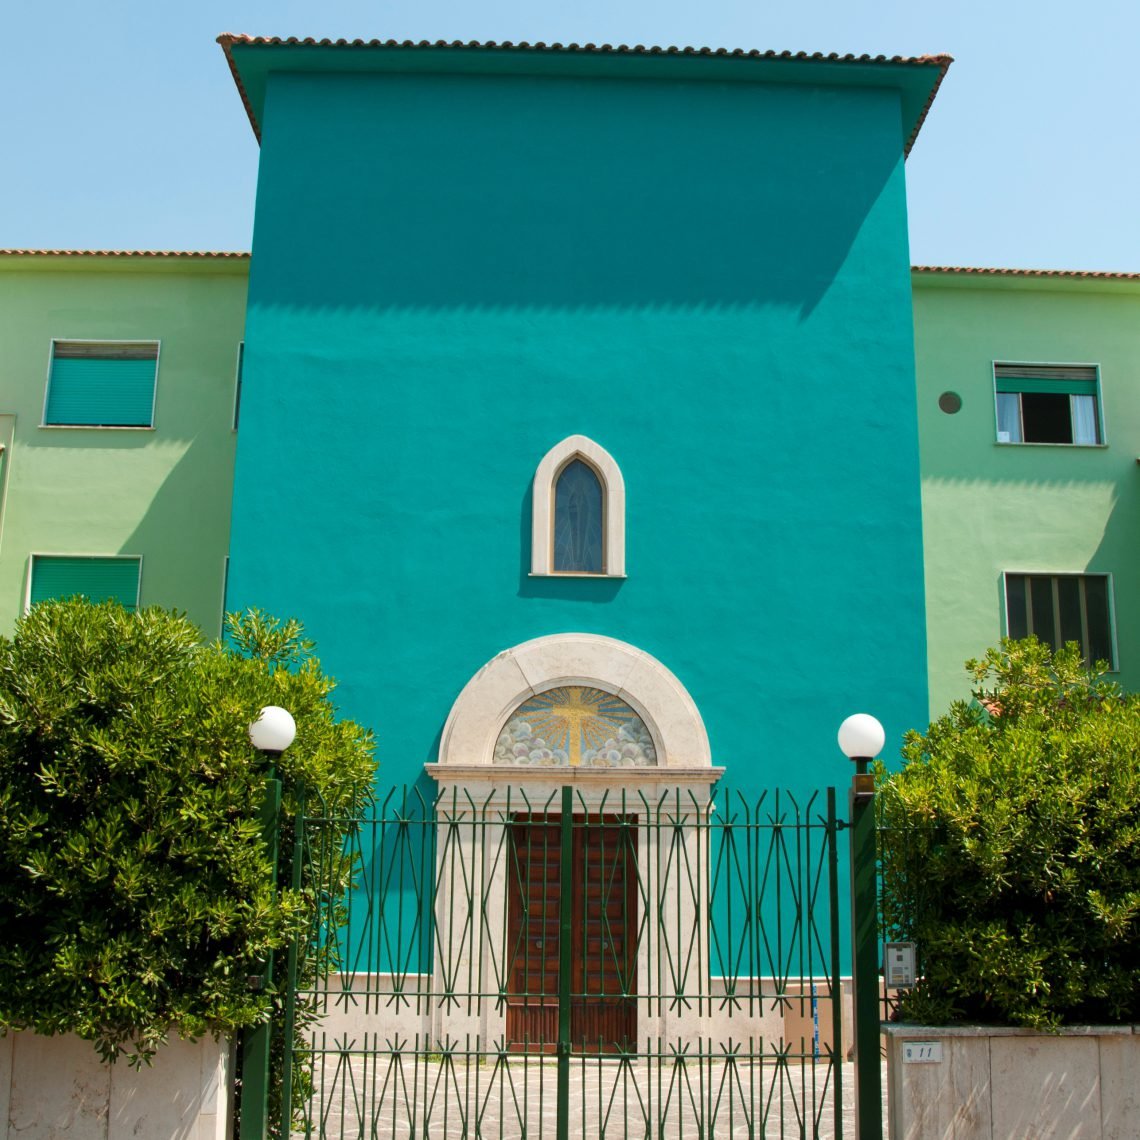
x,y
453,272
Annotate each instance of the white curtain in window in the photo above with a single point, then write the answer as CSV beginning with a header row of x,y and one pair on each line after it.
x,y
1084,419
1009,417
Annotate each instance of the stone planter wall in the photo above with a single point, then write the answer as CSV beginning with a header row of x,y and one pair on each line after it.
x,y
995,1084
53,1088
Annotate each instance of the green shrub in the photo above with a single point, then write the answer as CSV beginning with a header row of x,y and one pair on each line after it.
x,y
136,895
1010,847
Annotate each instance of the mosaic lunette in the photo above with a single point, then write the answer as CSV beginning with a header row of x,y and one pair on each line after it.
x,y
572,726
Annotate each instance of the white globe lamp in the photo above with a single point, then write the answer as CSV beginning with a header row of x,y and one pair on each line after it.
x,y
273,731
861,738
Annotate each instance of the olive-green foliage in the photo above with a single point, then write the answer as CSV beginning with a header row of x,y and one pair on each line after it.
x,y
136,894
1011,847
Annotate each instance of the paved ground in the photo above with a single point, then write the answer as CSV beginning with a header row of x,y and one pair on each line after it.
x,y
368,1097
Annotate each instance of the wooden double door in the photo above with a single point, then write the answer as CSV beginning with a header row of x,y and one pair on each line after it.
x,y
603,933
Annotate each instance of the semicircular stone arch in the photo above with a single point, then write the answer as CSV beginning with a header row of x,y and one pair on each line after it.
x,y
676,733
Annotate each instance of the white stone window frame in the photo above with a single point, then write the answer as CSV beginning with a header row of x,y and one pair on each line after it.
x,y
553,463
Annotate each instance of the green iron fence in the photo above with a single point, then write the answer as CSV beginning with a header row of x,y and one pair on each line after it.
x,y
582,963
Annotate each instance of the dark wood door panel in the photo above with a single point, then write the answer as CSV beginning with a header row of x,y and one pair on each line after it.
x,y
603,1014
603,1017
599,1026
533,912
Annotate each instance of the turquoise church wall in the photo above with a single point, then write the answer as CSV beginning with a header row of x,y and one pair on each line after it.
x,y
452,273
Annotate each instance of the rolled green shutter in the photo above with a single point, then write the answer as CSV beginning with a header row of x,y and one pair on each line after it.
x,y
97,579
101,385
1047,379
1047,387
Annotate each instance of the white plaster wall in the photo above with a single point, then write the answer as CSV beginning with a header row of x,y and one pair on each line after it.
x,y
774,1014
994,1084
367,1008
53,1088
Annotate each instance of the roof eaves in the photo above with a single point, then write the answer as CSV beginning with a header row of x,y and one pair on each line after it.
x,y
228,39
984,271
181,253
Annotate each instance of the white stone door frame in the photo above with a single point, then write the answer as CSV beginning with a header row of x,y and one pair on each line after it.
x,y
468,780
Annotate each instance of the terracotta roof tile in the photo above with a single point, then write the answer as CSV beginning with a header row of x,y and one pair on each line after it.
x,y
978,271
238,255
621,49
188,253
229,39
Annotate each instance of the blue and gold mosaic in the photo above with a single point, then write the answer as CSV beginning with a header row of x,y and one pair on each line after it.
x,y
572,726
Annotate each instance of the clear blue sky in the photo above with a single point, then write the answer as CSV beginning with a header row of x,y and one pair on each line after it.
x,y
122,127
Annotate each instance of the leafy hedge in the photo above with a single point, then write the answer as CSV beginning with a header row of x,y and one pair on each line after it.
x,y
136,897
1011,847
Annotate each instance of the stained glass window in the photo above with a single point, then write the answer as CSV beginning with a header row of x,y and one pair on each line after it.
x,y
572,726
578,512
578,522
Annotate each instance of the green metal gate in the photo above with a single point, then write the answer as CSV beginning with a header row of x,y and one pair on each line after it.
x,y
575,964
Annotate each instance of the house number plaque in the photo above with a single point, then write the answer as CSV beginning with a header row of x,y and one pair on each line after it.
x,y
922,1052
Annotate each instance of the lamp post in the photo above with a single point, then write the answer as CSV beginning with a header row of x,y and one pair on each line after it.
x,y
272,732
861,738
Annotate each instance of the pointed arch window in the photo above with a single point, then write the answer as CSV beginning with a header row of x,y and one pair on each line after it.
x,y
578,521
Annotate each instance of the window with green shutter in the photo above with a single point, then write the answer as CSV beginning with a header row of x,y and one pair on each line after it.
x,y
98,579
1057,608
101,384
1048,403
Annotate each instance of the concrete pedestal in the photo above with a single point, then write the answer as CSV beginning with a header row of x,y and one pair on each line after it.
x,y
53,1088
993,1083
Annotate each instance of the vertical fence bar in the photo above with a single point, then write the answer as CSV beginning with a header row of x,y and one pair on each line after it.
x,y
565,930
256,1041
837,1057
291,976
865,956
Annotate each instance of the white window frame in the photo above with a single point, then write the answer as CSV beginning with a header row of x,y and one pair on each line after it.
x,y
225,587
7,436
1109,585
1100,417
81,554
101,427
542,510
239,368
